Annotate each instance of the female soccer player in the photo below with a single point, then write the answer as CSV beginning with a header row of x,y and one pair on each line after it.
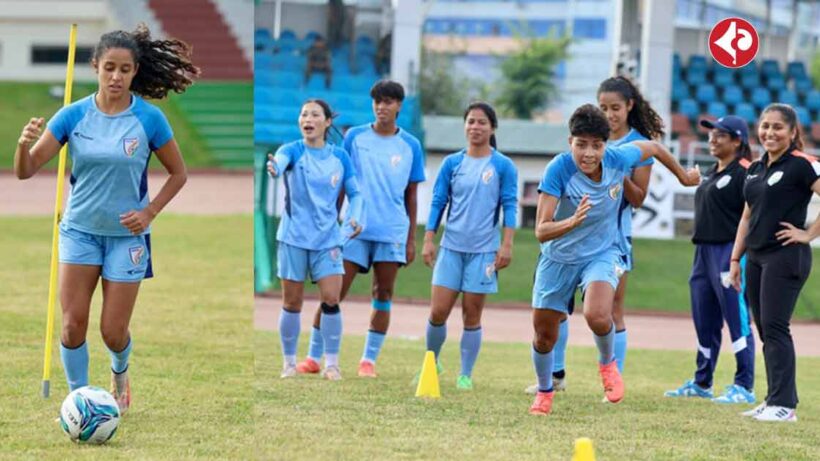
x,y
309,236
105,231
718,206
477,183
771,232
576,222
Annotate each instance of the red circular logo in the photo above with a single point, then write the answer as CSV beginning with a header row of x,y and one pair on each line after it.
x,y
733,42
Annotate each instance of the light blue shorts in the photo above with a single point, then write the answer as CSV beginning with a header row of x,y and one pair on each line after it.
x,y
123,259
364,253
626,259
466,272
294,263
555,282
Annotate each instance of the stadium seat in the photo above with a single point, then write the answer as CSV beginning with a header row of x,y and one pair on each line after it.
x,y
803,116
749,81
680,91
761,97
261,34
287,34
796,70
695,76
802,85
312,35
787,97
717,109
732,95
746,111
722,76
769,67
775,83
689,108
705,94
812,101
697,61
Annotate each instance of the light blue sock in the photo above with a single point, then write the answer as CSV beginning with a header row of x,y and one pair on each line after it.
x,y
620,349
436,334
470,345
332,332
373,345
560,349
119,360
543,369
289,326
606,346
317,344
75,364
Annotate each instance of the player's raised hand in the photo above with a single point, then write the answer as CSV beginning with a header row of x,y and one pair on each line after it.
x,y
691,177
581,211
272,169
31,132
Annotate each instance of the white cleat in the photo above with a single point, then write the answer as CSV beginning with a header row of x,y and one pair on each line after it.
x,y
288,371
777,414
754,411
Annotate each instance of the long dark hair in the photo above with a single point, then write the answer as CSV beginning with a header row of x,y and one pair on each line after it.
x,y
744,150
164,65
790,116
490,113
642,117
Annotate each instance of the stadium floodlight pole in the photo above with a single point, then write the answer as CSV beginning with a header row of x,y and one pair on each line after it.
x,y
58,214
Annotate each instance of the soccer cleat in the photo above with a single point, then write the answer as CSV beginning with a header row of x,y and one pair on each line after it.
x,y
558,384
611,379
121,390
288,371
308,366
690,389
367,369
332,373
542,404
777,414
464,383
736,394
755,411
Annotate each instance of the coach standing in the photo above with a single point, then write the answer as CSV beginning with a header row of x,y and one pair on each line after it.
x,y
771,231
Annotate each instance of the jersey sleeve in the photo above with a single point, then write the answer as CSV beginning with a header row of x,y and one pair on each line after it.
x,y
556,175
63,122
625,157
160,133
509,193
349,169
441,194
810,173
417,168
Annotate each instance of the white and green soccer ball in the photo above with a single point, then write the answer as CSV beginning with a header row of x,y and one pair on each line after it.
x,y
89,415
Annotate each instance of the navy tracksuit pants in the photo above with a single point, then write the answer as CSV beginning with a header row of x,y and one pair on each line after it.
x,y
712,303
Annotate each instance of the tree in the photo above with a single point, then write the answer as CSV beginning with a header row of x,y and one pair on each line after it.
x,y
815,69
443,91
528,81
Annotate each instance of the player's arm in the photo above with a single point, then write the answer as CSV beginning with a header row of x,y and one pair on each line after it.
x,y
277,163
509,203
547,228
356,205
690,177
29,159
635,188
739,247
441,196
791,234
411,205
138,220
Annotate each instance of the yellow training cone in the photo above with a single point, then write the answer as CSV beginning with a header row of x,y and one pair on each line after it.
x,y
428,381
583,450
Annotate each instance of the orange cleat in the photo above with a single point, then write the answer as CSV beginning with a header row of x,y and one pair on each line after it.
x,y
542,404
613,384
308,366
367,369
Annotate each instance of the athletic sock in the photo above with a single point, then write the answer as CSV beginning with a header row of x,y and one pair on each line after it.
x,y
373,345
470,346
606,346
75,364
317,345
331,322
543,363
560,349
119,360
436,334
620,349
289,326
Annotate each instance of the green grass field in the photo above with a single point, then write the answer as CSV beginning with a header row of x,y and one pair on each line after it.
x,y
659,282
21,101
309,418
192,360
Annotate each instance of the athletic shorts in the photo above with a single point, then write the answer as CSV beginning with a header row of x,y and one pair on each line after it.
x,y
123,259
466,272
295,264
555,282
364,253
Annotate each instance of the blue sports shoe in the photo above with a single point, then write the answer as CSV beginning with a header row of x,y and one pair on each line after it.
x,y
690,389
736,394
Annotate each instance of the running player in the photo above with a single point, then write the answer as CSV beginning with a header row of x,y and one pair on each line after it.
x,y
390,164
718,206
576,222
105,231
309,237
477,183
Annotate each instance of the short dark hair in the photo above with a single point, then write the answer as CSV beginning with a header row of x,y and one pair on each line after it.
x,y
589,120
387,89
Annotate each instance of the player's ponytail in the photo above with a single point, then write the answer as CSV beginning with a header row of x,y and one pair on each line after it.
x,y
164,65
642,117
490,113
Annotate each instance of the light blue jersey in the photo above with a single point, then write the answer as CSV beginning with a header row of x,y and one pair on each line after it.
x,y
385,165
599,231
627,211
476,190
313,180
109,157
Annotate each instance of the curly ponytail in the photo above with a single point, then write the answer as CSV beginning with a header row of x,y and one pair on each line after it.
x,y
642,117
164,65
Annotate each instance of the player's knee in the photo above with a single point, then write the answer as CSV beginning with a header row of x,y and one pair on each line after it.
x,y
330,298
471,318
115,337
598,319
73,331
293,302
438,316
330,309
543,343
382,293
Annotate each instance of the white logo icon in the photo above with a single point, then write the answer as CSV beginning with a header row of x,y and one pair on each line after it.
x,y
723,182
334,180
775,178
743,44
487,176
394,160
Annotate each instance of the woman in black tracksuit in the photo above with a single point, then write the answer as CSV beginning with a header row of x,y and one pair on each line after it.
x,y
778,189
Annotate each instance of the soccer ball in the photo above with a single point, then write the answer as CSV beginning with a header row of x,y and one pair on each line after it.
x,y
89,415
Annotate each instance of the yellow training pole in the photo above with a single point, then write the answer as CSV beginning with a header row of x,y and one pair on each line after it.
x,y
58,215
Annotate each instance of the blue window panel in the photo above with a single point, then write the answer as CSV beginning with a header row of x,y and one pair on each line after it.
x,y
592,28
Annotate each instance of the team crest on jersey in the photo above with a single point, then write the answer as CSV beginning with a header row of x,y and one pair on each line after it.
x,y
395,160
723,182
334,180
136,253
615,191
487,176
619,270
775,178
129,145
334,254
489,270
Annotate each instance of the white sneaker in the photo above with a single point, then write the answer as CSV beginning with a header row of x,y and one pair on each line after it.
x,y
558,384
332,373
777,414
289,371
755,411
